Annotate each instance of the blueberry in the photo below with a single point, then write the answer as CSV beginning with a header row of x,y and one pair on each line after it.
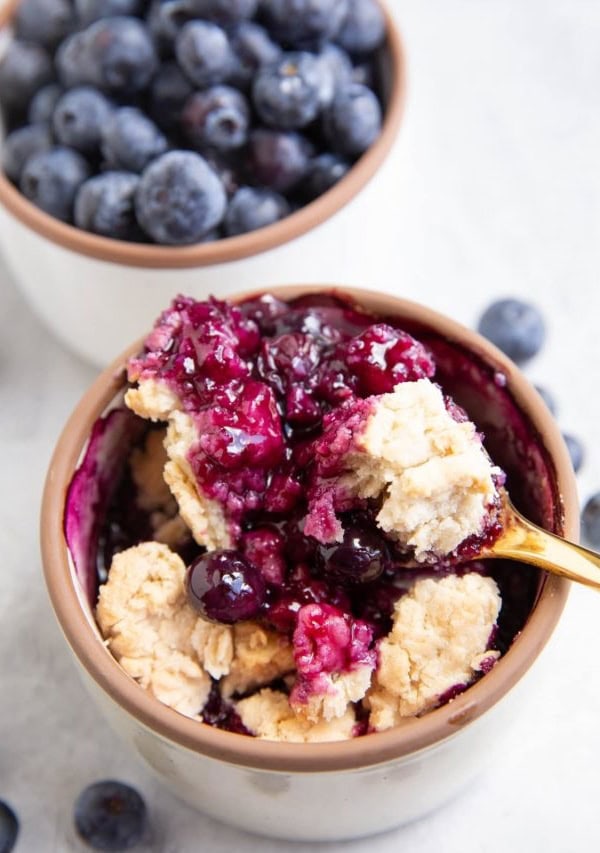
x,y
24,68
353,121
89,11
576,452
121,54
338,71
43,103
590,521
548,399
22,144
323,173
224,587
105,205
218,118
363,29
365,73
79,118
303,23
278,160
169,91
515,327
73,61
227,167
130,140
361,557
165,20
204,53
9,828
287,93
252,208
225,12
110,816
45,22
179,198
51,180
252,48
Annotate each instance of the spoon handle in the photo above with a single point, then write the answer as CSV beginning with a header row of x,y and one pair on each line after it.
x,y
523,540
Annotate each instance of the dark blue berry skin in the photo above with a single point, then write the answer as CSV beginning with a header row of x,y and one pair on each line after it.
x,y
46,22
22,144
323,173
278,160
515,327
224,587
576,452
165,20
122,55
338,71
74,62
43,103
204,53
24,68
252,208
361,557
224,12
228,168
353,121
79,117
130,140
252,47
363,29
590,521
110,816
304,23
287,94
179,198
9,828
105,205
217,118
89,11
548,399
169,91
51,179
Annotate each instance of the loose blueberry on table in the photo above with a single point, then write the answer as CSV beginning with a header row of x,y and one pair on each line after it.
x,y
267,590
110,815
9,828
278,97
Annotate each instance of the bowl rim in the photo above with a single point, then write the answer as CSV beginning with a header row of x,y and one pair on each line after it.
x,y
143,255
249,752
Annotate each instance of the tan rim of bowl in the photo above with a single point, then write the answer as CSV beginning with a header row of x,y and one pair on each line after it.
x,y
285,757
232,248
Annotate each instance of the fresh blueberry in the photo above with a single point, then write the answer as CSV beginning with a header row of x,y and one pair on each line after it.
x,y
45,22
323,173
43,103
9,828
73,61
228,168
24,68
22,144
515,327
548,399
353,121
576,452
287,93
204,53
337,74
224,12
361,557
110,816
218,118
130,140
590,521
79,118
252,48
252,208
278,160
121,53
304,23
224,587
365,73
89,11
363,30
105,205
179,198
165,20
169,91
51,180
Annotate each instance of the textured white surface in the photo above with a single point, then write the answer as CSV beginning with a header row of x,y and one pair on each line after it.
x,y
497,192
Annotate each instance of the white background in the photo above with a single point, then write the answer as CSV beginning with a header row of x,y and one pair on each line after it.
x,y
497,193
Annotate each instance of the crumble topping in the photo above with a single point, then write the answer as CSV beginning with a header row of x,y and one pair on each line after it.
x,y
261,656
334,695
269,716
152,399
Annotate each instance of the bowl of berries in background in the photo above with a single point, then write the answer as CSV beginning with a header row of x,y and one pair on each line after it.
x,y
189,145
141,638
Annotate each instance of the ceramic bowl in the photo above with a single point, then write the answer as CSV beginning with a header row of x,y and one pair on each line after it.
x,y
97,295
372,783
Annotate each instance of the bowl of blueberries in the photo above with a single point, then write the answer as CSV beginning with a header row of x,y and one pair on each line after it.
x,y
187,145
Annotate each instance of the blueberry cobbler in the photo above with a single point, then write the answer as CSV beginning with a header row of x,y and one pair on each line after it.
x,y
284,508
